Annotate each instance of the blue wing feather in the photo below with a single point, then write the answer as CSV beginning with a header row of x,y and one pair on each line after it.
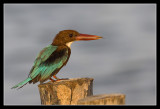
x,y
51,68
42,56
44,69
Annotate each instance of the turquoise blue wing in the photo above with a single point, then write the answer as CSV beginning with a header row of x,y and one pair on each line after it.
x,y
44,54
47,62
47,70
41,57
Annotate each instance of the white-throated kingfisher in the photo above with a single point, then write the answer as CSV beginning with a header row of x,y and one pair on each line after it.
x,y
53,57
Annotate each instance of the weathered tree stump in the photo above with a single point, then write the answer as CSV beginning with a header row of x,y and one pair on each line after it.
x,y
65,92
104,99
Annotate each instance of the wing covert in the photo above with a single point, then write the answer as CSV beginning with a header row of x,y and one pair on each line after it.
x,y
48,60
41,57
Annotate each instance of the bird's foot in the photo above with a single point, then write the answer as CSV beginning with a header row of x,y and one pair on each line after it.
x,y
54,76
61,79
58,79
52,80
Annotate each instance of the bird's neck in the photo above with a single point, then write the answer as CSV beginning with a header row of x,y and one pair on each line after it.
x,y
69,44
56,43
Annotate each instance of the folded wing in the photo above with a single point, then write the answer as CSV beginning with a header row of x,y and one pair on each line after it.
x,y
47,62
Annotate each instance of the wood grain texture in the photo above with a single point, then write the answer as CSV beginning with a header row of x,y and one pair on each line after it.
x,y
65,92
103,99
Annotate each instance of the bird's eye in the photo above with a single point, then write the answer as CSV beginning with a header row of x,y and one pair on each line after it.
x,y
70,35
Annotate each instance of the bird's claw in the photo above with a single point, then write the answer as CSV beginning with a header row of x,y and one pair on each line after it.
x,y
61,79
58,79
52,80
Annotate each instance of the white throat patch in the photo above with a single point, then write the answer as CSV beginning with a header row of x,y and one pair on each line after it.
x,y
69,44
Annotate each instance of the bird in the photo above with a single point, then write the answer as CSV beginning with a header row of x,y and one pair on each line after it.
x,y
53,57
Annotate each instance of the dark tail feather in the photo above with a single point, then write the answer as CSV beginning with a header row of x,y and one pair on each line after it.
x,y
21,84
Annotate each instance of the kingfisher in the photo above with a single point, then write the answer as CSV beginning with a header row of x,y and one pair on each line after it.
x,y
53,57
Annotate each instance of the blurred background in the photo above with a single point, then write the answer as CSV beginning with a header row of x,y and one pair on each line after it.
x,y
124,61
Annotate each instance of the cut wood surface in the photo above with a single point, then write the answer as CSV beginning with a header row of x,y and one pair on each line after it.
x,y
103,99
65,92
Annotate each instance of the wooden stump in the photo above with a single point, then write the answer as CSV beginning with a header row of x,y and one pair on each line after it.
x,y
65,92
104,99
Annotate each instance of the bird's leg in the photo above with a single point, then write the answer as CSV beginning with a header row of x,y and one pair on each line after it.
x,y
54,76
52,80
58,79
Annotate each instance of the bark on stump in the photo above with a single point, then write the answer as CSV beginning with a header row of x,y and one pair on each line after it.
x,y
104,99
65,92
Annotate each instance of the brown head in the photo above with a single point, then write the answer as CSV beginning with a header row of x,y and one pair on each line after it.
x,y
68,36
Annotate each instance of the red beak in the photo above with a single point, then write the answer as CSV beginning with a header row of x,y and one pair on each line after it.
x,y
86,37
